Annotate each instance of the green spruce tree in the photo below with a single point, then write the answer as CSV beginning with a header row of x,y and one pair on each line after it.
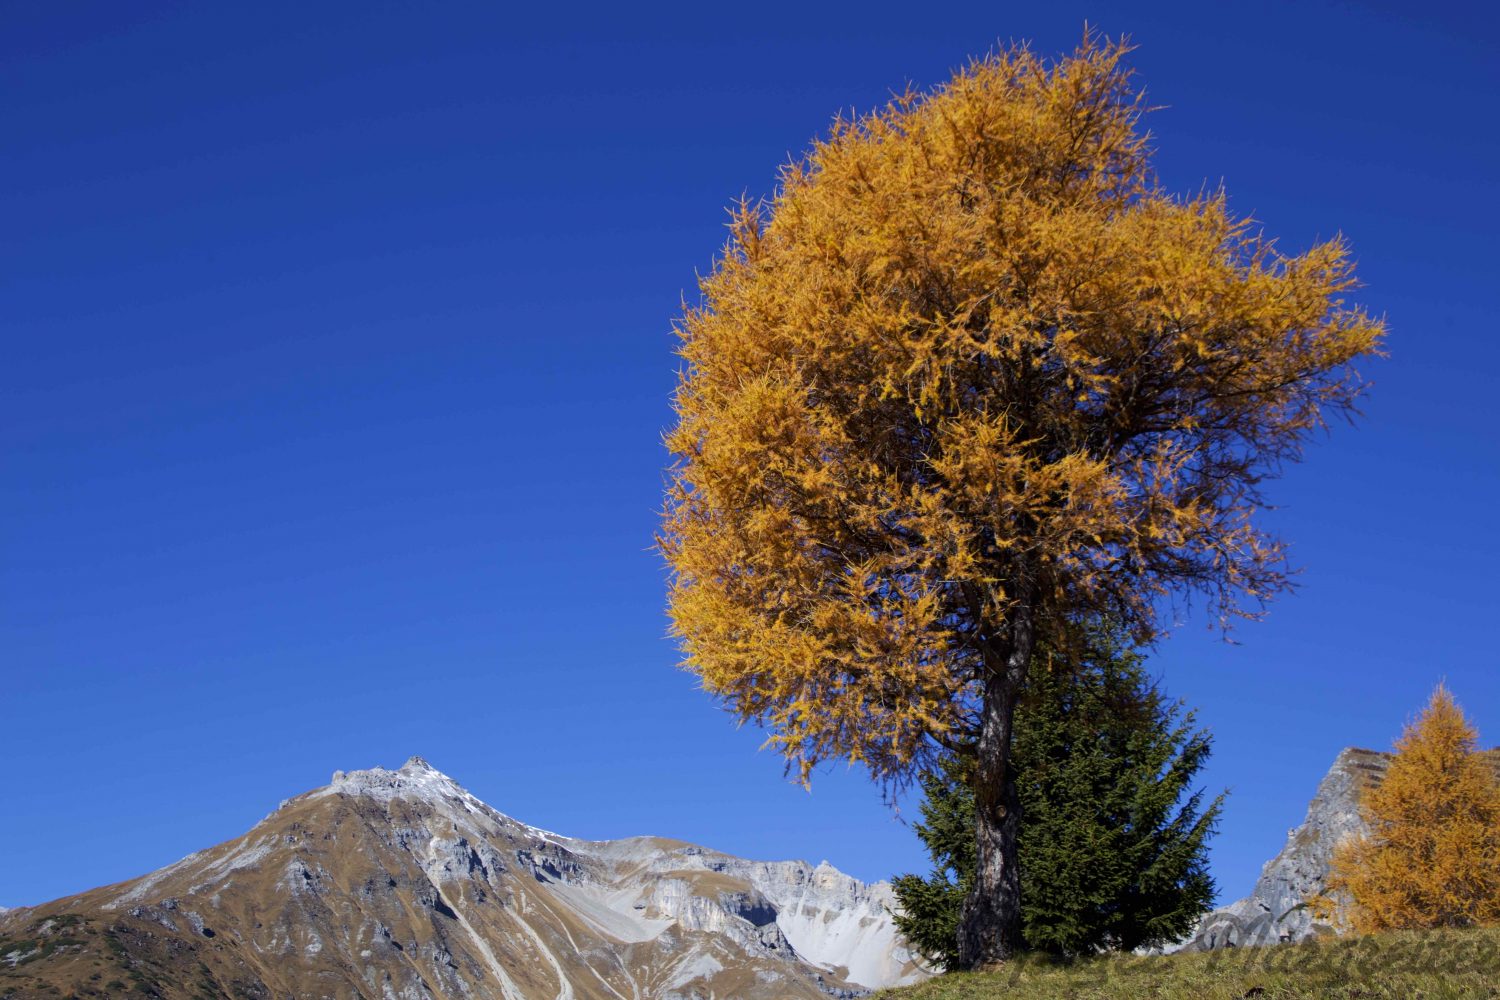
x,y
1113,836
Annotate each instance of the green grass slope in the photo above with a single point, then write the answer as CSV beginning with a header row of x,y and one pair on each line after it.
x,y
1428,965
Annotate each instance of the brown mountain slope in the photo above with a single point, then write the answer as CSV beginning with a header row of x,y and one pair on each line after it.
x,y
400,885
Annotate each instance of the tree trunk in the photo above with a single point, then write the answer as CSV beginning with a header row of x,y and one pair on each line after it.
x,y
989,930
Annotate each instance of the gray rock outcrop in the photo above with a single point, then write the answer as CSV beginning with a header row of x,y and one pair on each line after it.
x,y
1276,910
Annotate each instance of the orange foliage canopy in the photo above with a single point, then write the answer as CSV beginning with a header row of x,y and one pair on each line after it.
x,y
1432,856
971,364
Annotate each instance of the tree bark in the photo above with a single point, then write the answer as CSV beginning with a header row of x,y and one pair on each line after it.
x,y
989,930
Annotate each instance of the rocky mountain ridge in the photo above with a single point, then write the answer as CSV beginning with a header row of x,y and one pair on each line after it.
x,y
400,885
1276,910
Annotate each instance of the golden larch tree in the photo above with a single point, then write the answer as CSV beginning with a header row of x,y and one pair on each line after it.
x,y
971,374
1431,856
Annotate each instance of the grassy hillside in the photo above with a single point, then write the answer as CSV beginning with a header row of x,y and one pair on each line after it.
x,y
1445,965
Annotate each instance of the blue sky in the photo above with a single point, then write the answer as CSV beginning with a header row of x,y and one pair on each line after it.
x,y
337,352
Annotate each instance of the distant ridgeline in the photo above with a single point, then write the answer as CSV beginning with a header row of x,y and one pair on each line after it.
x,y
1276,910
402,885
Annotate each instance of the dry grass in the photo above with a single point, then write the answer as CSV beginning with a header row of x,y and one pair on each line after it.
x,y
1428,965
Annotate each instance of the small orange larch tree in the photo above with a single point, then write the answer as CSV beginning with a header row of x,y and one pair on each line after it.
x,y
1431,854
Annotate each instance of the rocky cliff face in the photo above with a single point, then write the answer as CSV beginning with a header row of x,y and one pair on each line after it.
x,y
400,885
1276,910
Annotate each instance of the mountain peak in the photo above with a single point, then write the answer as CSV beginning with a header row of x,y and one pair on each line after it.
x,y
416,779
402,878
